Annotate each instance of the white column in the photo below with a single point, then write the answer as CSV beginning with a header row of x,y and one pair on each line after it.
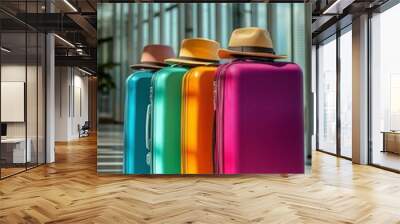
x,y
360,90
50,99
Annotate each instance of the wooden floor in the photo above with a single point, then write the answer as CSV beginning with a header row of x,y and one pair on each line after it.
x,y
70,191
387,159
11,170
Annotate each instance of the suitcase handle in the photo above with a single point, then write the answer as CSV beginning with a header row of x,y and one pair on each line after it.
x,y
148,127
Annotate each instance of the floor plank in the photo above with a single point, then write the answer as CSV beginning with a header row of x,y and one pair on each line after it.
x,y
70,191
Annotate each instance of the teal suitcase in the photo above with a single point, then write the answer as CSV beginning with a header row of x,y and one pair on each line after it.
x,y
165,125
137,94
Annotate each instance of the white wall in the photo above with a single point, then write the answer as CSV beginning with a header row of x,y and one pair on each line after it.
x,y
10,73
61,103
80,94
71,94
33,126
16,73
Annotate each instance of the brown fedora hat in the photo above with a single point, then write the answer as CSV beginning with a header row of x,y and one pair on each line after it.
x,y
153,57
250,41
197,51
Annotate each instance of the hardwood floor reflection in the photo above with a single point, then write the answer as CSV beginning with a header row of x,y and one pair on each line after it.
x,y
70,191
387,159
8,171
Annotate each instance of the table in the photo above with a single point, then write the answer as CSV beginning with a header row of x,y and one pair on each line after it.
x,y
391,141
16,147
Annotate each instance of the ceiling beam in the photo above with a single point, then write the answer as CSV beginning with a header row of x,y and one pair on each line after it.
x,y
79,61
86,27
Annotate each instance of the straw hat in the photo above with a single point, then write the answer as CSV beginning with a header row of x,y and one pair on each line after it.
x,y
153,57
250,41
197,51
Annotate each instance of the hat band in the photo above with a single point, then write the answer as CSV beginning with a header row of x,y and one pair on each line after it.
x,y
198,59
240,56
253,49
154,63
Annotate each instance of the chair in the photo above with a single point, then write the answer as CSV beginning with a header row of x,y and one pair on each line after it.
x,y
84,130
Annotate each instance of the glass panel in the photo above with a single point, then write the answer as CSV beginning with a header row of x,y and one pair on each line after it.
x,y
109,135
32,98
247,14
125,70
135,32
117,55
156,23
225,25
32,90
41,99
22,84
13,80
206,18
385,114
346,94
166,24
212,22
262,12
327,96
282,39
195,23
156,8
174,29
145,28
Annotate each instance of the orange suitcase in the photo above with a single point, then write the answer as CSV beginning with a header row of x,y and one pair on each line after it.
x,y
197,120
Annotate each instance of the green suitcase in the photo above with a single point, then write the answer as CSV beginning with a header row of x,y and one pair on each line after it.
x,y
164,132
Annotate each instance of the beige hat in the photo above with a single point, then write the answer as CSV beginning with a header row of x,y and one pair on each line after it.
x,y
153,56
197,51
250,41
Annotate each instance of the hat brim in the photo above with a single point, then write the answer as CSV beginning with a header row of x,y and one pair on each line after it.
x,y
187,62
225,53
147,66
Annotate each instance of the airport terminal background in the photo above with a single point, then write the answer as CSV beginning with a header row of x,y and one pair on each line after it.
x,y
124,29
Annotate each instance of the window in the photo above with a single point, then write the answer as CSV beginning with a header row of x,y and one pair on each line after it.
x,y
145,24
212,22
334,73
156,23
174,29
385,89
262,11
166,28
327,96
346,93
247,14
205,21
225,25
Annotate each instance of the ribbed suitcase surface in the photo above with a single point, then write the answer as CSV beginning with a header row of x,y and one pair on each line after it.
x,y
166,120
259,118
198,120
136,101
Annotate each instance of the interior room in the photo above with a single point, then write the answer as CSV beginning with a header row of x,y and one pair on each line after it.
x,y
72,106
22,99
48,84
334,62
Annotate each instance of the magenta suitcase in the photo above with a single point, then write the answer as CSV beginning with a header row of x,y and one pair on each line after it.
x,y
259,118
